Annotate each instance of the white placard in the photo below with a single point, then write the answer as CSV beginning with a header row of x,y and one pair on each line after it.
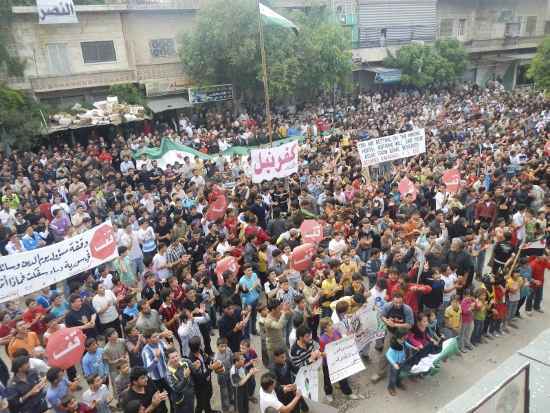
x,y
277,162
343,359
358,324
56,11
308,380
30,271
389,148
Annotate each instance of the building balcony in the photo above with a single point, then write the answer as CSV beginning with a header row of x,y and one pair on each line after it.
x,y
41,84
506,43
162,4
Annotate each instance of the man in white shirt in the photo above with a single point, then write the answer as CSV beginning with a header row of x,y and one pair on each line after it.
x,y
268,397
160,264
337,245
449,277
105,305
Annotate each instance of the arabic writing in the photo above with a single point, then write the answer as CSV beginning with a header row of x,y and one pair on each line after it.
x,y
277,162
55,11
343,359
29,271
389,148
73,342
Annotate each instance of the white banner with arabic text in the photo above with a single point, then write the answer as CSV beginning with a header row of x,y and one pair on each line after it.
x,y
389,148
277,162
56,12
30,271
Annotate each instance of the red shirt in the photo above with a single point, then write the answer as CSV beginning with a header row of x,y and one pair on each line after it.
x,y
538,265
167,312
31,317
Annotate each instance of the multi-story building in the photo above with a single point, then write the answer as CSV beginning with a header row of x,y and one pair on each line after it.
x,y
500,35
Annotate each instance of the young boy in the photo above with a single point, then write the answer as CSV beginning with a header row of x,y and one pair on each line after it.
x,y
262,317
224,356
93,361
97,395
467,327
122,380
453,319
239,380
250,358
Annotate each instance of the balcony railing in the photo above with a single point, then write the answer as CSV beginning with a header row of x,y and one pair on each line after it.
x,y
164,4
82,80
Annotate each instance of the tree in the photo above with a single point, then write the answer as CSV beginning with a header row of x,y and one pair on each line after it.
x,y
10,63
423,65
224,49
539,69
127,93
21,120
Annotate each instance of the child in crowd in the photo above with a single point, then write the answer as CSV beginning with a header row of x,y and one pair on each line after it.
x,y
453,318
251,358
93,361
97,396
467,327
240,380
480,314
397,358
224,356
262,317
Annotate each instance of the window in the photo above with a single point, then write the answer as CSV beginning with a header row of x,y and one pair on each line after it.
x,y
446,28
162,47
531,25
58,59
547,27
98,52
461,32
512,29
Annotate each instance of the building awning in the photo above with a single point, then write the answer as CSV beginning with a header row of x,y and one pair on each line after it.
x,y
164,103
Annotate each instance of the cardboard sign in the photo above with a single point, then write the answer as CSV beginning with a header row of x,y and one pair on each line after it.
x,y
343,359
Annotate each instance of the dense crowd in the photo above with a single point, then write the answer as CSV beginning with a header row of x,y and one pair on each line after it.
x,y
161,325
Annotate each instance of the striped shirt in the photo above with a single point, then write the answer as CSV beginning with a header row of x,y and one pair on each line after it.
x,y
174,252
300,356
156,367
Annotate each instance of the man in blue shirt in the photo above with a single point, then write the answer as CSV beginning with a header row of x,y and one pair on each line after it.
x,y
60,387
93,362
250,286
154,360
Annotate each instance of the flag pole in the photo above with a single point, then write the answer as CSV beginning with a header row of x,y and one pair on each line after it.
x,y
264,75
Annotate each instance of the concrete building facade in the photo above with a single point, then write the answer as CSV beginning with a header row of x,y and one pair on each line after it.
x,y
500,35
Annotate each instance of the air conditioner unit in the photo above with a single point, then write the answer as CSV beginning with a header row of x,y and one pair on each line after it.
x,y
419,42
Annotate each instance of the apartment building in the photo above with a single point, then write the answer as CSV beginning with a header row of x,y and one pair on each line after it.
x,y
500,35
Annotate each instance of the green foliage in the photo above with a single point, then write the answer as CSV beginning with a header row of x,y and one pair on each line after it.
x,y
224,48
539,69
127,93
10,64
20,119
423,65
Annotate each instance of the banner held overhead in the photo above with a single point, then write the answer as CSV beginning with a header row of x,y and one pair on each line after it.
x,y
390,148
29,271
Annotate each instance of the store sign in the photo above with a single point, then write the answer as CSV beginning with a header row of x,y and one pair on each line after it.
x,y
165,87
217,93
56,11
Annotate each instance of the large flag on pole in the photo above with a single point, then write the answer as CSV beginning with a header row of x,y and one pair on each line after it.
x,y
275,19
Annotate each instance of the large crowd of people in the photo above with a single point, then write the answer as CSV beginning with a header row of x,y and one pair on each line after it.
x,y
161,326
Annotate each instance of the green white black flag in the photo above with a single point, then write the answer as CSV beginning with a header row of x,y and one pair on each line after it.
x,y
272,18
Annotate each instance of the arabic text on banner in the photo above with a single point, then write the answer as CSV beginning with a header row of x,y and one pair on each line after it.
x,y
56,11
343,359
389,148
277,162
27,272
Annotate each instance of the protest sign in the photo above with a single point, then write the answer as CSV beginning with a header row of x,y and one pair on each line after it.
x,y
357,324
308,379
406,187
56,11
277,162
29,271
451,179
343,359
389,148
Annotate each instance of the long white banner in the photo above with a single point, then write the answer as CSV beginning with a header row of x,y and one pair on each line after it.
x,y
277,162
27,272
389,148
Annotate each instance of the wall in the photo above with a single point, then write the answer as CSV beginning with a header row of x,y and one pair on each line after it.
x,y
486,19
32,40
